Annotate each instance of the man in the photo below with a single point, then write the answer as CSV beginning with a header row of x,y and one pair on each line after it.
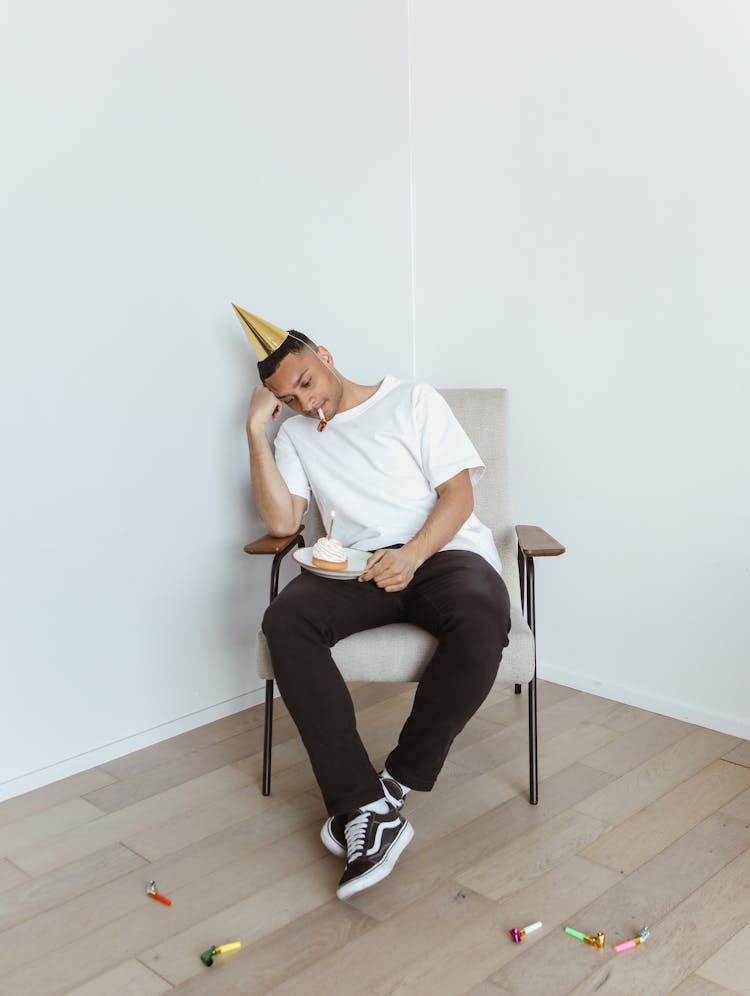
x,y
398,470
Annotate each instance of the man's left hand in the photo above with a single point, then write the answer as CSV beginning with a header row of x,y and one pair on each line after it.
x,y
391,569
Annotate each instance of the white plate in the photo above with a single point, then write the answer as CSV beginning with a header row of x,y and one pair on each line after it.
x,y
357,561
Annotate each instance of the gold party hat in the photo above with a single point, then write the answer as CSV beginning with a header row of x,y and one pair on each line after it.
x,y
264,337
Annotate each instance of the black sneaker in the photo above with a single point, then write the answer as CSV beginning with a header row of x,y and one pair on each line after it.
x,y
374,842
332,831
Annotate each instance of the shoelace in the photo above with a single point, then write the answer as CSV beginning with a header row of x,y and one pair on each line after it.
x,y
355,832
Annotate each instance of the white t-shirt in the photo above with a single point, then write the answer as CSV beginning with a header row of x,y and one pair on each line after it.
x,y
378,465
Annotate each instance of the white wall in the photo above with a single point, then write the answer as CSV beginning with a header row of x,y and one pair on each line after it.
x,y
582,218
162,159
580,215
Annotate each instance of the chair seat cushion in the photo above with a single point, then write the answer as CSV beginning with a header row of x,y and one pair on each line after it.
x,y
401,652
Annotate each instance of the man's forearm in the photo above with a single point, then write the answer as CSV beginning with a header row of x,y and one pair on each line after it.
x,y
271,495
392,570
454,506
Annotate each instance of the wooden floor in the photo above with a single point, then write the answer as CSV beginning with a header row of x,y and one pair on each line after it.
x,y
643,820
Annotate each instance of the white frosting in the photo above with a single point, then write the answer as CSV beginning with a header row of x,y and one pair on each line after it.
x,y
329,549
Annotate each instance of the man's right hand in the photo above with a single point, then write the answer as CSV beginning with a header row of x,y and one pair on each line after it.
x,y
264,405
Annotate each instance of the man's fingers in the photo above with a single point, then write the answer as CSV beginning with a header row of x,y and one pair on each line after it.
x,y
374,558
372,561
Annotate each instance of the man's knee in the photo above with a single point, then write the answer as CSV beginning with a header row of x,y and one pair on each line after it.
x,y
273,619
484,602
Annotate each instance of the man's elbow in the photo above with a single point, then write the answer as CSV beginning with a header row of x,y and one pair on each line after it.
x,y
278,527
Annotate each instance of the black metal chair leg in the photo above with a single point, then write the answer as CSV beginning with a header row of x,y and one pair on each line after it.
x,y
521,579
299,542
533,753
267,734
533,758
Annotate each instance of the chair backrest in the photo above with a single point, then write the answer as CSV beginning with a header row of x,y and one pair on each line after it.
x,y
483,413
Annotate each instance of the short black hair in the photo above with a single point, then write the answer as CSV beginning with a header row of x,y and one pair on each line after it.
x,y
294,343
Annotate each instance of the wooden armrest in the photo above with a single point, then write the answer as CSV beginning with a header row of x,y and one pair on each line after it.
x,y
535,542
271,544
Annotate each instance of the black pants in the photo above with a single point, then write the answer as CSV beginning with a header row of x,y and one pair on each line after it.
x,y
457,597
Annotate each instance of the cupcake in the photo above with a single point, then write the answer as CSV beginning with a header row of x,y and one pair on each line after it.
x,y
329,555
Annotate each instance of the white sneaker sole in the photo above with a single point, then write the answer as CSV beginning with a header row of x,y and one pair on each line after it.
x,y
381,871
330,843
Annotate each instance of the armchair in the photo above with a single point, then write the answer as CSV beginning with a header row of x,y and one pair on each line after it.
x,y
400,652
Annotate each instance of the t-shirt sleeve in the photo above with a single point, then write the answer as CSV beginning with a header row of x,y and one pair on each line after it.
x,y
290,465
446,449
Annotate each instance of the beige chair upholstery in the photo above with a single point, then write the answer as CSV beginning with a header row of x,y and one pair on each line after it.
x,y
400,652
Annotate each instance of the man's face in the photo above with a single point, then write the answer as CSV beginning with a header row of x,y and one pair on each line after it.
x,y
305,381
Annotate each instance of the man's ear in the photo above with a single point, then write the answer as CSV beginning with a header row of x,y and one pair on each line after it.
x,y
325,356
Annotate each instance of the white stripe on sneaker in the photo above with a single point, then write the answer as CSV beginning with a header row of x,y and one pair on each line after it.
x,y
379,835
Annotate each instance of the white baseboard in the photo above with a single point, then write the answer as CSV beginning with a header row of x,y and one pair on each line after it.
x,y
688,712
101,755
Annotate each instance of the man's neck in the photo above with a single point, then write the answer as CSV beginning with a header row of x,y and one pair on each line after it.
x,y
355,394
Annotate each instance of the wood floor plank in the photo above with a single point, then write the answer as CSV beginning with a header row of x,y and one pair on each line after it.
x,y
32,830
247,921
113,827
556,896
514,708
739,754
140,761
739,807
131,978
10,876
145,784
730,965
478,949
48,796
559,963
368,693
47,892
519,862
683,939
216,815
627,751
510,742
107,926
625,718
694,985
454,804
461,961
660,773
487,988
643,835
284,754
511,779
288,951
428,923
199,880
579,743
